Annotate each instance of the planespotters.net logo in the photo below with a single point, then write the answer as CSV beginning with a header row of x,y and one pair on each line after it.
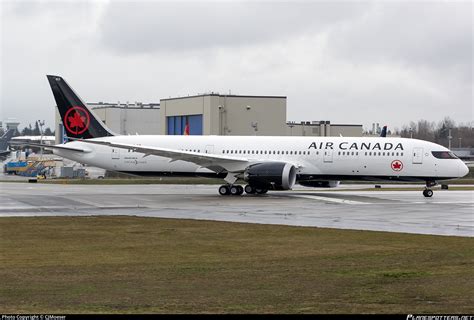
x,y
439,317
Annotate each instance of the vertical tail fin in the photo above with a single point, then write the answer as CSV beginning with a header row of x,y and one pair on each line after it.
x,y
78,120
383,134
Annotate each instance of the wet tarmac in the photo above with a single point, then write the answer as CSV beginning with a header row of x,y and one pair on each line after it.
x,y
448,212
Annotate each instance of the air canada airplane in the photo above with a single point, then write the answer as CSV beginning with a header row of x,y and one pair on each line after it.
x,y
264,163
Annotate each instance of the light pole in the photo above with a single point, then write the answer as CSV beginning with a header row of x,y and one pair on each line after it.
x,y
460,138
40,125
411,133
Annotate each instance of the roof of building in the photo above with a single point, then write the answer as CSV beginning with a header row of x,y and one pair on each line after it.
x,y
224,95
106,105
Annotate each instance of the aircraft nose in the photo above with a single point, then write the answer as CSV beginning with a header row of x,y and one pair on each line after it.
x,y
462,169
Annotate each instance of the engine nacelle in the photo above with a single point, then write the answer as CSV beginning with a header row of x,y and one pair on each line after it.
x,y
319,184
271,175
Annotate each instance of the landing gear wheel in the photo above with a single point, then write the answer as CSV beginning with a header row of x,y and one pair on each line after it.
x,y
249,189
236,190
261,191
224,190
428,193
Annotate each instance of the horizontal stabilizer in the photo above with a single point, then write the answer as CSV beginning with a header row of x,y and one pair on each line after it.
x,y
39,145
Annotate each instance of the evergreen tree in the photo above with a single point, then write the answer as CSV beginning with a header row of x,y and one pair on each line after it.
x,y
48,132
36,131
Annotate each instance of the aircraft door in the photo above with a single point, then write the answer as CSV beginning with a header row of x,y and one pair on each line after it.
x,y
115,154
417,155
210,149
328,155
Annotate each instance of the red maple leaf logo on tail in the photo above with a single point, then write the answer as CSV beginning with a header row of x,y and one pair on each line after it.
x,y
76,121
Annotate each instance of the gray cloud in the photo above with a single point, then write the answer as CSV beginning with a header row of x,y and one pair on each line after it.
x,y
173,26
433,34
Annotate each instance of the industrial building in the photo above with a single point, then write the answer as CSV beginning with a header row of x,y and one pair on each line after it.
x,y
125,118
213,114
9,124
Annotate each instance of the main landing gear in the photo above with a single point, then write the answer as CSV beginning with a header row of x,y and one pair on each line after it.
x,y
236,190
428,193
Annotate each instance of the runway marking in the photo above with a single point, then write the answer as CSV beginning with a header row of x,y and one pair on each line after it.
x,y
327,199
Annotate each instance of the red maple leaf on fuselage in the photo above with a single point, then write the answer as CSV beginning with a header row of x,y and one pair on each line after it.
x,y
76,121
397,165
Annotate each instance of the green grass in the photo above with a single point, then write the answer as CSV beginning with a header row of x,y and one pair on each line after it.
x,y
150,265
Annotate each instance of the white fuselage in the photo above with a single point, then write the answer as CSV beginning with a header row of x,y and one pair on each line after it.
x,y
330,158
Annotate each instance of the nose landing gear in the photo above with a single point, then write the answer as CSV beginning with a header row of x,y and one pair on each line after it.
x,y
428,193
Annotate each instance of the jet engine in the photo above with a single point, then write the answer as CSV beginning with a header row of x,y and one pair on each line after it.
x,y
271,175
319,184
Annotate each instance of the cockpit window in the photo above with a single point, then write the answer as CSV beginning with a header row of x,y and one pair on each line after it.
x,y
444,155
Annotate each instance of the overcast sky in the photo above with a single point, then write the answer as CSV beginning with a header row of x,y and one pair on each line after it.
x,y
347,62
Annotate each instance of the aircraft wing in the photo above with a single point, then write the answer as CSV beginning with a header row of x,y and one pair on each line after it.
x,y
217,163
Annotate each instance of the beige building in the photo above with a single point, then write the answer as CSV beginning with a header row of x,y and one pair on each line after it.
x,y
129,118
215,114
